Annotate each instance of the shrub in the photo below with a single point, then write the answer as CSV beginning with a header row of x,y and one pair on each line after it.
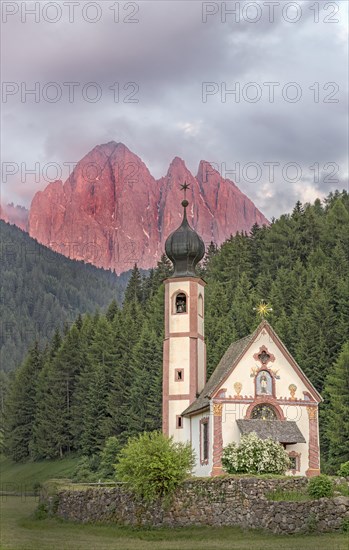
x,y
154,465
320,486
345,525
85,470
344,469
255,456
41,512
109,455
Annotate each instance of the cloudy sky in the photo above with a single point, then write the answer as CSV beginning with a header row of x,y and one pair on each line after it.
x,y
258,88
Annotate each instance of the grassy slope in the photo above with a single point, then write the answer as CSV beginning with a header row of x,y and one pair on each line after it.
x,y
21,478
20,531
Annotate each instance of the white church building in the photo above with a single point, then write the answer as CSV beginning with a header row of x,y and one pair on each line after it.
x,y
256,387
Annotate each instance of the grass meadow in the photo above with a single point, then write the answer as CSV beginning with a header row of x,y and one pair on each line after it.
x,y
22,530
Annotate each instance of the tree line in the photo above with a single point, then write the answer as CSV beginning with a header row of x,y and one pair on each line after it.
x,y
42,290
102,376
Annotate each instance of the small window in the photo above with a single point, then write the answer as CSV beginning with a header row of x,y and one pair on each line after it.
x,y
179,421
200,306
179,375
204,441
295,461
181,303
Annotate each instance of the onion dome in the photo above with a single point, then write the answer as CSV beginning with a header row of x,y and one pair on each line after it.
x,y
185,248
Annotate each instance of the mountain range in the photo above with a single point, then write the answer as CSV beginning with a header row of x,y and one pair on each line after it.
x,y
113,213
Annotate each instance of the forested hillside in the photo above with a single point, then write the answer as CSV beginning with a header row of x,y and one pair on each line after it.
x,y
41,290
102,377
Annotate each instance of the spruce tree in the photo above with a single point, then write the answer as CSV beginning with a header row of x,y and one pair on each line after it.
x,y
337,425
21,406
126,329
55,420
146,388
133,291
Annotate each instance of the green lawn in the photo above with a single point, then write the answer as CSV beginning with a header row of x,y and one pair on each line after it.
x,y
21,478
21,531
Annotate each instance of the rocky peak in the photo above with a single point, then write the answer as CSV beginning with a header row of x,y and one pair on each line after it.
x,y
113,213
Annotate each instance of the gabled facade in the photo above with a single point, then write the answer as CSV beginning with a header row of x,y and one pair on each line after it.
x,y
256,387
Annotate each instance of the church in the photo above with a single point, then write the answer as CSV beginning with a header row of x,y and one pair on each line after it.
x,y
256,387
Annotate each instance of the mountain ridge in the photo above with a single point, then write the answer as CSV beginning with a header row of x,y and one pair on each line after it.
x,y
113,213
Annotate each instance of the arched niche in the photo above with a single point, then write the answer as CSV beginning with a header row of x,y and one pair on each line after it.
x,y
264,383
179,302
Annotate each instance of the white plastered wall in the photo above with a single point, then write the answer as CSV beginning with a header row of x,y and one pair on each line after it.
x,y
178,322
179,359
201,470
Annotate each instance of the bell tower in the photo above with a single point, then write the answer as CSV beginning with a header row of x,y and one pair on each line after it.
x,y
184,352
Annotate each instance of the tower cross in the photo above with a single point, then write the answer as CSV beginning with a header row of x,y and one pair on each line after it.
x,y
184,187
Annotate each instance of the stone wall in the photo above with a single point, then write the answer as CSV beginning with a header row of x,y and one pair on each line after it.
x,y
217,501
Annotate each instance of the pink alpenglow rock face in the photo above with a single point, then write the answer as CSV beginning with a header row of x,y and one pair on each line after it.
x,y
113,213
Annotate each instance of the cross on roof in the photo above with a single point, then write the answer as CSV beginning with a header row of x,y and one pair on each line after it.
x,y
184,187
263,309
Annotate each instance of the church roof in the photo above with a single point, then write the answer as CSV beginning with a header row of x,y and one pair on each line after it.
x,y
229,358
184,247
228,362
283,431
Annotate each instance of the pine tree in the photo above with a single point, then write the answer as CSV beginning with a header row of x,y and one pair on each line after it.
x,y
4,389
126,329
163,269
337,425
316,337
92,388
242,307
91,437
133,291
146,388
21,405
54,421
112,310
211,251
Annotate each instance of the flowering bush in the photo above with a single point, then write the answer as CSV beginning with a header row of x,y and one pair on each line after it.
x,y
255,456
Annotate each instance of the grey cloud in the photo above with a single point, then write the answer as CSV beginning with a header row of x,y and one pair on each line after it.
x,y
170,53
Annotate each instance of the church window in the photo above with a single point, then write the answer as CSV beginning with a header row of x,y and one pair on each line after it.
x,y
181,303
295,461
179,421
179,375
200,306
264,357
204,441
263,412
